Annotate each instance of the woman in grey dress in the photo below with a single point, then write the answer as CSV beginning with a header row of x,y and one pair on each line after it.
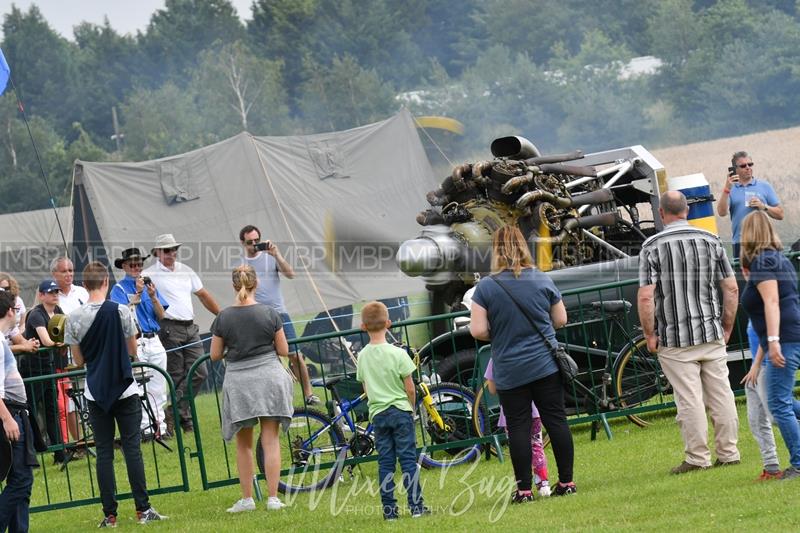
x,y
257,387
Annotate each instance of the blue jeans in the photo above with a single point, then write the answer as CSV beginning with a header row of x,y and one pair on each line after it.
x,y
754,341
782,405
16,496
394,439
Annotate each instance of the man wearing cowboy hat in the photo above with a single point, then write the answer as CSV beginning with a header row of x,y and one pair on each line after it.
x,y
179,334
148,306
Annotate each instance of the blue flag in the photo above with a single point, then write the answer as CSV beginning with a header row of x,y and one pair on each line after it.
x,y
5,72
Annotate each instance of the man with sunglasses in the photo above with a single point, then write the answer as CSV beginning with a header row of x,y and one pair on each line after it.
x,y
148,306
179,335
743,193
269,264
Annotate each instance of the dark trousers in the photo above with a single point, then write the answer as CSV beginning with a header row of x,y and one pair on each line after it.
x,y
127,413
16,497
394,439
43,395
548,395
179,360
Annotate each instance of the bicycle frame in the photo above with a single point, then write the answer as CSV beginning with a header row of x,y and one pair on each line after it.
x,y
347,406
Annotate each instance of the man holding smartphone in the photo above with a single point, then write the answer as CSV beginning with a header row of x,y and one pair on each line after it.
x,y
743,193
269,264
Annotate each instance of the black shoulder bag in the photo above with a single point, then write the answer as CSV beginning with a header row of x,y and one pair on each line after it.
x,y
566,364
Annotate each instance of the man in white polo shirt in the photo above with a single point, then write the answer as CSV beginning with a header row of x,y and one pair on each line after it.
x,y
70,297
179,335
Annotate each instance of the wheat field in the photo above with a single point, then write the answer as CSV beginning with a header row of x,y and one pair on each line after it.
x,y
776,155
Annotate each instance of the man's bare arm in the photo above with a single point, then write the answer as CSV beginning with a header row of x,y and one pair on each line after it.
x,y
775,211
208,301
730,303
646,305
283,265
132,347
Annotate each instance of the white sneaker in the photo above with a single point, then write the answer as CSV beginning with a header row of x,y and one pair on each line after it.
x,y
243,505
274,504
544,490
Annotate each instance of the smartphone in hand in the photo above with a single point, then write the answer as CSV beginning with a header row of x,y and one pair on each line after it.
x,y
732,174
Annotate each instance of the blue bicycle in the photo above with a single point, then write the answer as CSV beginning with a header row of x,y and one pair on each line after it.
x,y
316,444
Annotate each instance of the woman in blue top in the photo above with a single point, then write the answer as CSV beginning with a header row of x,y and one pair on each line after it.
x,y
771,299
525,370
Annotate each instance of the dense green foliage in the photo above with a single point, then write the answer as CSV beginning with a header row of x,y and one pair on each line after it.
x,y
550,71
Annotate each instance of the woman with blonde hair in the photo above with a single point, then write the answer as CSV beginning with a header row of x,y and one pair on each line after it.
x,y
257,388
518,309
772,302
18,343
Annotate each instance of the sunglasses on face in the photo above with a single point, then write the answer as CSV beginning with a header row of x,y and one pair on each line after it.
x,y
135,265
252,242
745,165
170,250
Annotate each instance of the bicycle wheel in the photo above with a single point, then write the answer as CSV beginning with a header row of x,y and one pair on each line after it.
x,y
639,378
456,405
484,420
311,441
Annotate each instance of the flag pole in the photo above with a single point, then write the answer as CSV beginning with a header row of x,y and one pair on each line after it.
x,y
41,166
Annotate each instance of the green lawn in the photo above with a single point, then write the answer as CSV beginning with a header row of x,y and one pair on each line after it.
x,y
623,485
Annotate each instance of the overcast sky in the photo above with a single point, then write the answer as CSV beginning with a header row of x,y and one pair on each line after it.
x,y
126,16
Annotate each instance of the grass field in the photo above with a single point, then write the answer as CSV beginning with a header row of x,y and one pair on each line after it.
x,y
623,485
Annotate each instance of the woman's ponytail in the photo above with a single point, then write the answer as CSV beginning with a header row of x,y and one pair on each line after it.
x,y
244,282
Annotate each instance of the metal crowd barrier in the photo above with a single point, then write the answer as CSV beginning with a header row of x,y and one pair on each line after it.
x,y
73,483
216,459
589,337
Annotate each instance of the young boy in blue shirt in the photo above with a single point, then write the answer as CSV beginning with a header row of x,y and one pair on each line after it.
x,y
386,373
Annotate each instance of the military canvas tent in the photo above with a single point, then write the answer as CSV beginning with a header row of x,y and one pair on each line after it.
x,y
300,191
28,242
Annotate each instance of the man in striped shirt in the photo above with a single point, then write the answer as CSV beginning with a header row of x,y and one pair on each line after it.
x,y
684,323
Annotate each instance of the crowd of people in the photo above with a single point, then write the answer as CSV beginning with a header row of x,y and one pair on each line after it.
x,y
687,303
147,316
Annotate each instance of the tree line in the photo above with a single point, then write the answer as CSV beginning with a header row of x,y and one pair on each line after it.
x,y
551,71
